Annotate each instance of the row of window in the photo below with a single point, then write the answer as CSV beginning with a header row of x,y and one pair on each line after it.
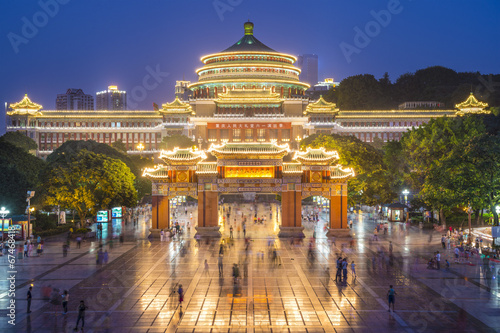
x,y
249,69
382,124
249,135
130,137
112,124
248,58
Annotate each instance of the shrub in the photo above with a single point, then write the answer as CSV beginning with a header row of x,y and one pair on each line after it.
x,y
82,230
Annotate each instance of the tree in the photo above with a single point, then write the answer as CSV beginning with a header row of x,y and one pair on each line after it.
x,y
176,140
119,145
430,152
136,163
477,172
87,182
19,140
360,92
370,185
19,172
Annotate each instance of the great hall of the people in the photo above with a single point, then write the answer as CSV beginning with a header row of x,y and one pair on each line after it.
x,y
245,93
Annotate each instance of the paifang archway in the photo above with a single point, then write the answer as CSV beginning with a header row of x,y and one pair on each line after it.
x,y
249,167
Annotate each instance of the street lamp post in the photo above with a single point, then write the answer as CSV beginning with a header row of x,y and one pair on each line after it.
x,y
469,213
405,193
140,147
3,214
30,195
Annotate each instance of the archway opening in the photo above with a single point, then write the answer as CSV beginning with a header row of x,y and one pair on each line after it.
x,y
254,215
316,216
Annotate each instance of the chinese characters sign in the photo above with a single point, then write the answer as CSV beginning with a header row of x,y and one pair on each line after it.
x,y
249,125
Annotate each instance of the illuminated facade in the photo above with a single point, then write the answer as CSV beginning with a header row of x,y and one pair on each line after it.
x,y
248,93
249,167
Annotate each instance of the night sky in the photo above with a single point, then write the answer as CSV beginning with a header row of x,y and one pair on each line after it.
x,y
91,44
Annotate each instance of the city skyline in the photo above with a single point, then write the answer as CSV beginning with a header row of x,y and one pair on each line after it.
x,y
122,56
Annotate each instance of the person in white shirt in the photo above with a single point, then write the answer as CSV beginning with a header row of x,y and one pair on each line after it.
x,y
438,260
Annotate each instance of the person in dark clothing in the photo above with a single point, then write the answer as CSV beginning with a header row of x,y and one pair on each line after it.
x,y
81,314
29,299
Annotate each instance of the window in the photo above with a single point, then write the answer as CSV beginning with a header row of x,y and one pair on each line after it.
x,y
261,135
224,134
285,135
212,135
236,135
249,135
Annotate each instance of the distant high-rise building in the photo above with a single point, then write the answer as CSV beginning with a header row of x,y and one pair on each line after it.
x,y
308,63
111,99
74,99
182,91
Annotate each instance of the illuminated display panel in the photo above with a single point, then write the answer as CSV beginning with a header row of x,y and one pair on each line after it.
x,y
250,172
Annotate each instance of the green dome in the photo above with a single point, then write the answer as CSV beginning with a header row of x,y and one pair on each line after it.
x,y
248,42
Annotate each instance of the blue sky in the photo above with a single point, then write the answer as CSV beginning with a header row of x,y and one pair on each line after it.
x,y
91,44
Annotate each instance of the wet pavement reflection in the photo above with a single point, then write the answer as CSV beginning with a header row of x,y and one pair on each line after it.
x,y
260,283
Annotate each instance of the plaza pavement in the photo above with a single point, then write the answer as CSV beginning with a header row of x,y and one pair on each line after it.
x,y
134,292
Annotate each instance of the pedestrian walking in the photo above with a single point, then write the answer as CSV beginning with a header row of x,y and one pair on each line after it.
x,y
65,297
206,272
78,242
339,269
220,265
81,315
344,269
443,242
391,294
26,249
180,291
231,232
162,236
28,298
353,269
438,260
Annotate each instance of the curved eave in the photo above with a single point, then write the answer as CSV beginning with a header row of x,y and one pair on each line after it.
x,y
24,112
250,80
158,172
326,160
463,113
341,173
223,54
322,111
167,112
248,64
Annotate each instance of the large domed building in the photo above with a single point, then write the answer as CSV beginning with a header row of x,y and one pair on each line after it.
x,y
240,89
246,93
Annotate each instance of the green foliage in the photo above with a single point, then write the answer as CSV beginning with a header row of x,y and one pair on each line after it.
x,y
370,186
87,182
82,230
361,92
119,145
437,167
44,221
435,83
19,172
176,140
54,231
20,140
136,163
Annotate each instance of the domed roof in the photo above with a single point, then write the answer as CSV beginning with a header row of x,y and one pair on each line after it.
x,y
248,42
